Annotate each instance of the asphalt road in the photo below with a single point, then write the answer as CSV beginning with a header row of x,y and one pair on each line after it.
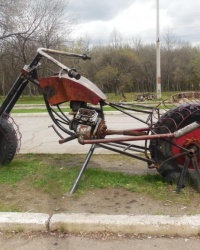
x,y
38,137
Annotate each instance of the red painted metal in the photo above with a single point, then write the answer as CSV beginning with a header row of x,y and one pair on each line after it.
x,y
63,89
188,140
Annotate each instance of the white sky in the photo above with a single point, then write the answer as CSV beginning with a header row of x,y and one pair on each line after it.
x,y
135,19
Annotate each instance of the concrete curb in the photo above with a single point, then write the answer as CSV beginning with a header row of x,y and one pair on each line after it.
x,y
142,224
23,221
86,223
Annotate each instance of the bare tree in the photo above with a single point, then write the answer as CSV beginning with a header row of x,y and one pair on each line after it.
x,y
137,44
55,27
22,17
116,39
25,26
10,12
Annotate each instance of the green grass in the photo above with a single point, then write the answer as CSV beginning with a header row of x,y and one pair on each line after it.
x,y
44,110
110,97
31,100
19,170
34,100
57,173
131,96
35,110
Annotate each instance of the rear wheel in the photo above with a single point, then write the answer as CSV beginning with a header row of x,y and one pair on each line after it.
x,y
8,141
163,149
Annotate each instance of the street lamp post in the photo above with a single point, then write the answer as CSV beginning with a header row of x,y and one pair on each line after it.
x,y
158,71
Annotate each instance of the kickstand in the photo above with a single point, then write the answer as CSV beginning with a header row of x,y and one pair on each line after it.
x,y
87,159
190,157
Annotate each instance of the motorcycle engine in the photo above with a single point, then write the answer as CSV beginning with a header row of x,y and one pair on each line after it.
x,y
88,123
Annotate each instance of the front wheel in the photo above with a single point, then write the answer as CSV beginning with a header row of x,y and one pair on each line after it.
x,y
164,149
9,141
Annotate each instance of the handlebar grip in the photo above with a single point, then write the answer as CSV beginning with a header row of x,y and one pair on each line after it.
x,y
73,74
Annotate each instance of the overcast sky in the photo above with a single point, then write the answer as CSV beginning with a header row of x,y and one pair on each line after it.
x,y
135,18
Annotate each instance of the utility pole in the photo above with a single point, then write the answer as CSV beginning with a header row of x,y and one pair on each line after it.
x,y
158,71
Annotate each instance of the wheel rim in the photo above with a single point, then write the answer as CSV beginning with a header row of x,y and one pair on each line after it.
x,y
188,141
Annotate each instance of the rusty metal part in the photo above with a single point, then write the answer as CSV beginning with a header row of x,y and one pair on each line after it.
x,y
191,98
72,113
121,139
101,130
190,142
63,140
193,144
84,131
132,132
64,89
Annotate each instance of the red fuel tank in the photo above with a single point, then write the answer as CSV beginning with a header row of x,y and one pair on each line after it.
x,y
59,89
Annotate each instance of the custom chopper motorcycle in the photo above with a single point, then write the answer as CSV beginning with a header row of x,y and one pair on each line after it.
x,y
171,135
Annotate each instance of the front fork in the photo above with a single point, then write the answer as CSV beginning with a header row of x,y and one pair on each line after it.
x,y
19,86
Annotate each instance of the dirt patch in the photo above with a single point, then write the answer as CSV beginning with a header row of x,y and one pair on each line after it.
x,y
107,201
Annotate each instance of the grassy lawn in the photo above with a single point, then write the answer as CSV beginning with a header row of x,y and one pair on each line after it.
x,y
38,100
58,172
53,175
132,96
110,97
43,110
